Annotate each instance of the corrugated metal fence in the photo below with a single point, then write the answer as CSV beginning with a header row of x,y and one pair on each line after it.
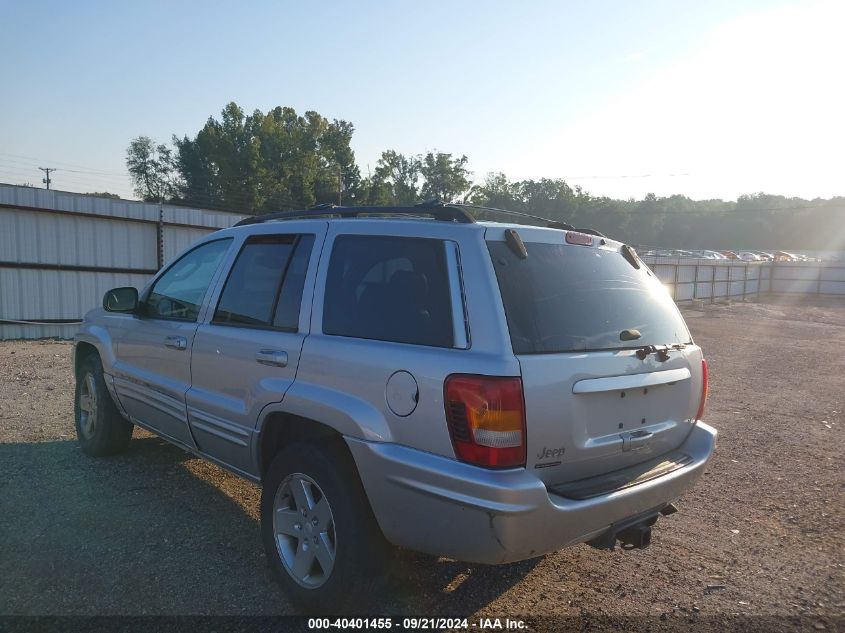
x,y
714,280
60,252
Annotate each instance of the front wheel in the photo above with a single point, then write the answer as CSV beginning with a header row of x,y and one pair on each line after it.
x,y
100,427
319,533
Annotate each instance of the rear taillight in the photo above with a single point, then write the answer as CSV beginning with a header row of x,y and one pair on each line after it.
x,y
486,416
704,388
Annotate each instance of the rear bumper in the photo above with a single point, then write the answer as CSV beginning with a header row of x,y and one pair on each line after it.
x,y
442,507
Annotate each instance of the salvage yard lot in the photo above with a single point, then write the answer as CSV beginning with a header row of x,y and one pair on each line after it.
x,y
157,531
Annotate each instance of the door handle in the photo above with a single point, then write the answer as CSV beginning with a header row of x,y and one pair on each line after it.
x,y
272,357
635,440
176,342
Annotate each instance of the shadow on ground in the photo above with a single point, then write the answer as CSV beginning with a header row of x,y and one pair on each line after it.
x,y
141,533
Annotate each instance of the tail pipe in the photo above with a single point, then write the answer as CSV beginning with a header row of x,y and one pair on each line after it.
x,y
635,537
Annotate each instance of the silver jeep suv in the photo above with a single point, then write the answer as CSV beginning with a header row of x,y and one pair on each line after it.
x,y
409,376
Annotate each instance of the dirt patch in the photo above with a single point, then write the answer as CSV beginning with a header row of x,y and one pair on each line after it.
x,y
156,531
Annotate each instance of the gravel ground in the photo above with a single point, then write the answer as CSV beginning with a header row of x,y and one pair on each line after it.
x,y
758,544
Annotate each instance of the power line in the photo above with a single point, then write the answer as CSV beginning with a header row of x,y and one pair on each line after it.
x,y
232,204
63,164
13,164
84,180
621,176
17,174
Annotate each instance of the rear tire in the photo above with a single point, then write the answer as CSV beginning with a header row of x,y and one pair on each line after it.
x,y
319,533
100,427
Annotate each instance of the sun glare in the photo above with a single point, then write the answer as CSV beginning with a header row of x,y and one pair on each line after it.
x,y
758,107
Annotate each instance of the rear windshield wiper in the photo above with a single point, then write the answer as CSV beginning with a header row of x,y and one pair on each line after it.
x,y
662,351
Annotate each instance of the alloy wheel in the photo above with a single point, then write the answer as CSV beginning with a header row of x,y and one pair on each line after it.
x,y
88,406
304,529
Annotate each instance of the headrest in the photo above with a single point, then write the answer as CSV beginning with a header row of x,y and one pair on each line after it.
x,y
415,284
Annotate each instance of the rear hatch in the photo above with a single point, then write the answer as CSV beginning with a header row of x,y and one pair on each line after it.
x,y
592,404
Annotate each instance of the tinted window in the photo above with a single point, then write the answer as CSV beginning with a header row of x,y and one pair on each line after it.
x,y
290,298
574,298
390,289
178,293
265,284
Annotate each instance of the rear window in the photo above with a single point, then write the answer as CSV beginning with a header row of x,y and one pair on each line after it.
x,y
573,299
389,289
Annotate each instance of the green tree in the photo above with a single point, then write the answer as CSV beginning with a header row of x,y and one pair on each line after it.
x,y
496,191
220,166
339,178
152,169
550,198
102,194
395,180
444,177
265,162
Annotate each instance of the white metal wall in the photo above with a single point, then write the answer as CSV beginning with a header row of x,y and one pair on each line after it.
x,y
28,236
49,295
178,238
60,252
712,280
809,277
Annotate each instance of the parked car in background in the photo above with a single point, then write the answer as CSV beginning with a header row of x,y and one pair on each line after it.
x,y
482,391
705,254
656,252
730,254
749,256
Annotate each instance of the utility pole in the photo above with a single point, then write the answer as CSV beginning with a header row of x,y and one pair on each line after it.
x,y
47,171
339,186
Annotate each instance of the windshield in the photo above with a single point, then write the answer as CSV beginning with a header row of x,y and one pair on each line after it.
x,y
574,299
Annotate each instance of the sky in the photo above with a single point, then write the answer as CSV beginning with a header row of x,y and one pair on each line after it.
x,y
709,100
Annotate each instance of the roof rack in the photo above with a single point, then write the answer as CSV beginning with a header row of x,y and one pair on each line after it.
x,y
444,211
552,224
432,208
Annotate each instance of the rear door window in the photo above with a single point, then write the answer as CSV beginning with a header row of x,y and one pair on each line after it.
x,y
574,298
264,287
389,289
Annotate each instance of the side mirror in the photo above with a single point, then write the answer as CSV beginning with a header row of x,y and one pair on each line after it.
x,y
121,299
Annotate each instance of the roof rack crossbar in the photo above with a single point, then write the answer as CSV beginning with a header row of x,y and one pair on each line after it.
x,y
437,211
